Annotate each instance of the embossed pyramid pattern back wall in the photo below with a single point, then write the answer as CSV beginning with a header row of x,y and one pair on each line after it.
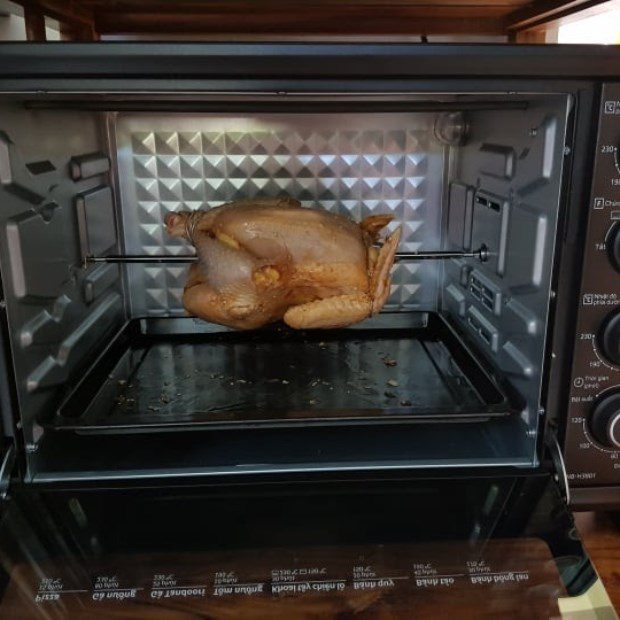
x,y
354,164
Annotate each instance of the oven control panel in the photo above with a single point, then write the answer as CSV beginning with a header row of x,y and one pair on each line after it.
x,y
592,444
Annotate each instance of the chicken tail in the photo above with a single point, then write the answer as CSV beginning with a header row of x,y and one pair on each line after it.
x,y
374,224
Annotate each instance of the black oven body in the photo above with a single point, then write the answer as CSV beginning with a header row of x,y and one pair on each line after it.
x,y
591,164
576,424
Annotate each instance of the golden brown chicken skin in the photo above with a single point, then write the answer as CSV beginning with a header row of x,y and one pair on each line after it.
x,y
265,260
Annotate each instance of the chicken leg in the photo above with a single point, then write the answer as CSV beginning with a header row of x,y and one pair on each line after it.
x,y
343,310
331,312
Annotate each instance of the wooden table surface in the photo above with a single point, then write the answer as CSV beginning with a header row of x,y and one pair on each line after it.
x,y
600,531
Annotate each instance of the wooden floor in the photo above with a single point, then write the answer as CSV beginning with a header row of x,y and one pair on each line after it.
x,y
601,535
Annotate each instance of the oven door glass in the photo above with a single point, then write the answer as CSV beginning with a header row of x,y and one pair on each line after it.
x,y
447,547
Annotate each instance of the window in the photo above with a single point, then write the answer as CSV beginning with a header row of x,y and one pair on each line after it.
x,y
600,25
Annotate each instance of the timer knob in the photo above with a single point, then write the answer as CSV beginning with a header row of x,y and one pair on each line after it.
x,y
608,337
612,244
605,421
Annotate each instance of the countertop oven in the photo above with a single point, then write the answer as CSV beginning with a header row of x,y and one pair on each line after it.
x,y
441,421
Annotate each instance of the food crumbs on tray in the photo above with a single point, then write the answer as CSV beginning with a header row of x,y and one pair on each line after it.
x,y
314,384
153,408
285,382
405,403
164,398
392,382
122,382
390,395
312,402
389,362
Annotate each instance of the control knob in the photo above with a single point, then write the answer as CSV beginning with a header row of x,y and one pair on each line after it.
x,y
605,421
612,245
608,338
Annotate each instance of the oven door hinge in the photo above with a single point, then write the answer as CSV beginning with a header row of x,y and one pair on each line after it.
x,y
559,468
6,471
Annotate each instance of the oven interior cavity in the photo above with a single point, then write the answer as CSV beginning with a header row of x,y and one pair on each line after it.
x,y
112,378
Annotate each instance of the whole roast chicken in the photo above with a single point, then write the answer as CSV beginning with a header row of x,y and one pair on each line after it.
x,y
260,261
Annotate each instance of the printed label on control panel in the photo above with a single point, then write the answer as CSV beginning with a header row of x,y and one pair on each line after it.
x,y
301,587
166,585
602,202
226,583
588,398
184,592
427,576
379,579
590,382
599,299
366,578
480,573
108,588
50,590
304,579
584,475
611,106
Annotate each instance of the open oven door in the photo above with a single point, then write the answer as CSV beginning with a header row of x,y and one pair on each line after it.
x,y
493,546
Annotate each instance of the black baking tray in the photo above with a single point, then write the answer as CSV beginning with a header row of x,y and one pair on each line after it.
x,y
278,377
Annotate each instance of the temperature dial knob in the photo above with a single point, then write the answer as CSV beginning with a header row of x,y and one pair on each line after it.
x,y
608,338
605,421
612,244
